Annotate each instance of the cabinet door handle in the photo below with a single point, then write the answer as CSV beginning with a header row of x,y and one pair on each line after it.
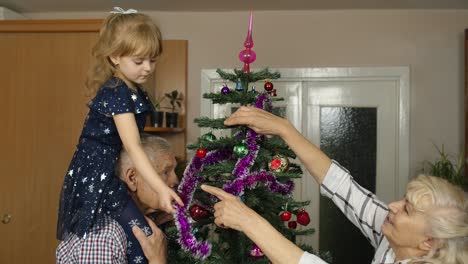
x,y
6,218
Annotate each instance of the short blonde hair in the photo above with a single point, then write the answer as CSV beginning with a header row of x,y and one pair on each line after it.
x,y
447,218
122,35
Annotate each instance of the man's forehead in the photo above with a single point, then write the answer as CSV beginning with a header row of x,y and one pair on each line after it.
x,y
165,159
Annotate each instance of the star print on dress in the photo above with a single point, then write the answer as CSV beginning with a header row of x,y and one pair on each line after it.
x,y
91,188
85,179
146,230
138,259
103,176
70,173
107,131
134,222
105,103
134,97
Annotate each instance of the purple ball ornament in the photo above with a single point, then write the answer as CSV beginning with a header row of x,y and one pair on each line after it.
x,y
225,90
256,252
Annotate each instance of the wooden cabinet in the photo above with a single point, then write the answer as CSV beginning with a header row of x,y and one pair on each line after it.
x,y
171,74
466,103
43,106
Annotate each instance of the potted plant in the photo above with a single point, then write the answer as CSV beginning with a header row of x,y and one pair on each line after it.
x,y
446,167
175,99
157,116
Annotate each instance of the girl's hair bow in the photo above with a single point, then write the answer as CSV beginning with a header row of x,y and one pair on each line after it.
x,y
119,10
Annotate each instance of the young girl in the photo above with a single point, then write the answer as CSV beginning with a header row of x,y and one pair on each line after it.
x,y
124,58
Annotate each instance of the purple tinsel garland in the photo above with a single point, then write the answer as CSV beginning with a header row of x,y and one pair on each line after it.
x,y
186,190
202,249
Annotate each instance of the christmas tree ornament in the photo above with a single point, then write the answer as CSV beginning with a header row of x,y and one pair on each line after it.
x,y
241,150
247,55
256,252
292,224
280,163
225,89
208,137
201,152
239,86
303,217
268,86
198,213
285,216
253,90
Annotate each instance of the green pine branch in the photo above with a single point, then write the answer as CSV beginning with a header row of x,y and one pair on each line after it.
x,y
217,123
248,77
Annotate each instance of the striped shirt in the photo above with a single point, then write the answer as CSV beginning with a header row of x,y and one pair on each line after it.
x,y
361,207
104,244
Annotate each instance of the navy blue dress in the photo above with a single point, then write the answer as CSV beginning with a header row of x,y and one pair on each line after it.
x,y
91,190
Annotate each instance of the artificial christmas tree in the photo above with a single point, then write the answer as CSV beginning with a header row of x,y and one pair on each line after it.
x,y
253,167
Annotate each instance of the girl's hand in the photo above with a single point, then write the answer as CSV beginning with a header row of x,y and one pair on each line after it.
x,y
259,120
166,196
230,211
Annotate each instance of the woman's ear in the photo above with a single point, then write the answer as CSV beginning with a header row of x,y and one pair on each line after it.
x,y
427,244
131,179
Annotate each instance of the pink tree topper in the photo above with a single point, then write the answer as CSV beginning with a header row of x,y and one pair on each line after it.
x,y
247,55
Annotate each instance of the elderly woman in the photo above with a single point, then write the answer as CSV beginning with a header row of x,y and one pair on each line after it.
x,y
429,225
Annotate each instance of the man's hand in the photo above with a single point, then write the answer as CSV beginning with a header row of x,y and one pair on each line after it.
x,y
154,246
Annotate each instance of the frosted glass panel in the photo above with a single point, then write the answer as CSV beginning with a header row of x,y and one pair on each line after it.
x,y
348,135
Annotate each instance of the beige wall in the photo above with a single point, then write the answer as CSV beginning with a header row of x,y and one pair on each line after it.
x,y
430,42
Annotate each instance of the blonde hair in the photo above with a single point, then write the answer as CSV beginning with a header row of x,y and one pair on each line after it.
x,y
447,218
122,35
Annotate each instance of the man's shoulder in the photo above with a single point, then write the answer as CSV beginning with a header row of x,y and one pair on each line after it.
x,y
105,240
109,228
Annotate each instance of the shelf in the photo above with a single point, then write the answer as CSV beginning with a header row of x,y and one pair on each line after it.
x,y
164,129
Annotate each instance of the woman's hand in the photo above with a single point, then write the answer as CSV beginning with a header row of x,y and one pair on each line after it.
x,y
154,246
230,211
260,121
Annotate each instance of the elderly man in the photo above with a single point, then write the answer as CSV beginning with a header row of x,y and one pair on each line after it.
x,y
107,243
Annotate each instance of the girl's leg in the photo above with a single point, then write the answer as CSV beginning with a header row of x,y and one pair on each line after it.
x,y
129,217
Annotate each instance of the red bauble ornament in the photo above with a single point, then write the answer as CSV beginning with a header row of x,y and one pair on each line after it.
x,y
268,86
201,153
198,213
303,217
292,224
275,164
285,216
279,163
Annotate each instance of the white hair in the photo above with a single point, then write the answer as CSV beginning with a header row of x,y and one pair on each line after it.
x,y
153,146
447,218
